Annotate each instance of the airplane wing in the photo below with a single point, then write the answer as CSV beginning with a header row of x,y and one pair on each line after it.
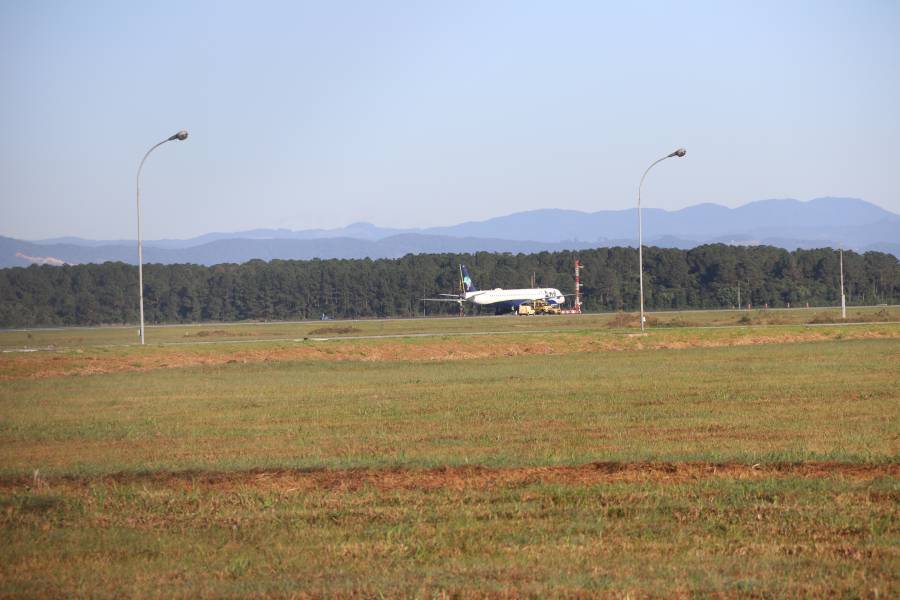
x,y
442,299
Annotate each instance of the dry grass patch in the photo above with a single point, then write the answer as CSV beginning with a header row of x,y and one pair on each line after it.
x,y
40,365
460,477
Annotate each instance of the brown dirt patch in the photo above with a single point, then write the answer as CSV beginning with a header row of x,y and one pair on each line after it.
x,y
216,333
335,330
464,477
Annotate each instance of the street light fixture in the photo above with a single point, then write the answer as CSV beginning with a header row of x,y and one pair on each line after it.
x,y
181,135
678,153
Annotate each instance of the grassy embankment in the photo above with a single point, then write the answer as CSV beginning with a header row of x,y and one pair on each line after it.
x,y
168,470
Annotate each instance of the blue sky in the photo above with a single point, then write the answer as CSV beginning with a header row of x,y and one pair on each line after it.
x,y
320,114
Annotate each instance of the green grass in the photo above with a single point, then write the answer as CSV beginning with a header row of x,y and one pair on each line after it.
x,y
808,401
767,537
156,479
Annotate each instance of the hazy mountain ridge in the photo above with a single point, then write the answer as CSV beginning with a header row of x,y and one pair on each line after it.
x,y
790,224
12,252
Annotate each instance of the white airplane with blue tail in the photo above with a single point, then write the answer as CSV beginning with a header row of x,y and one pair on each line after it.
x,y
501,300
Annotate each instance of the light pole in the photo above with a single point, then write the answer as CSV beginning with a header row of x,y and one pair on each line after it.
x,y
679,153
843,300
181,135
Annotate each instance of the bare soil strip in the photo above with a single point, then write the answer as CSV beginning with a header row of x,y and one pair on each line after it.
x,y
463,477
39,366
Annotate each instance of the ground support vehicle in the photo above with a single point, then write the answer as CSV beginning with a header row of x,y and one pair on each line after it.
x,y
545,308
525,310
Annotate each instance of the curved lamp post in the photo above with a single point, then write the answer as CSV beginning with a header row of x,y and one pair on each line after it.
x,y
679,153
181,135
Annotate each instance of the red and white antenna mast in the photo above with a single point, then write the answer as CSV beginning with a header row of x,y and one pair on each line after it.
x,y
576,309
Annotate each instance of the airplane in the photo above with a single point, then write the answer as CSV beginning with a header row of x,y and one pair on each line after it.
x,y
502,300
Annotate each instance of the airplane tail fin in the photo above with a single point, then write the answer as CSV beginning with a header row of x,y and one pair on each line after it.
x,y
467,284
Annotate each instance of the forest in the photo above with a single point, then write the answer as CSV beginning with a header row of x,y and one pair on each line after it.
x,y
711,276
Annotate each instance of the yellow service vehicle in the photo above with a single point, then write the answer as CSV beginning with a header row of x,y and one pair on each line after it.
x,y
544,308
525,309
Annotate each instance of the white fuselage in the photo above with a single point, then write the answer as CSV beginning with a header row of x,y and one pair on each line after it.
x,y
498,296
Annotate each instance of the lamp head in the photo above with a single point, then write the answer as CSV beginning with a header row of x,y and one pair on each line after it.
x,y
679,153
181,135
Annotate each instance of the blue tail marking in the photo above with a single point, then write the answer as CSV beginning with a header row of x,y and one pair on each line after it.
x,y
468,284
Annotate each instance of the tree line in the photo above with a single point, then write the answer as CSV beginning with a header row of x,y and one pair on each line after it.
x,y
710,276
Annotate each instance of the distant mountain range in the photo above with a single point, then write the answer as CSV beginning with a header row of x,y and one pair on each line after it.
x,y
822,222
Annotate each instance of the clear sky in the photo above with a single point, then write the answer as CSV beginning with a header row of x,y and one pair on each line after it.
x,y
320,114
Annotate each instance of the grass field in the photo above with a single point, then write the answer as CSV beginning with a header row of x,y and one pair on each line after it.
x,y
252,332
754,458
